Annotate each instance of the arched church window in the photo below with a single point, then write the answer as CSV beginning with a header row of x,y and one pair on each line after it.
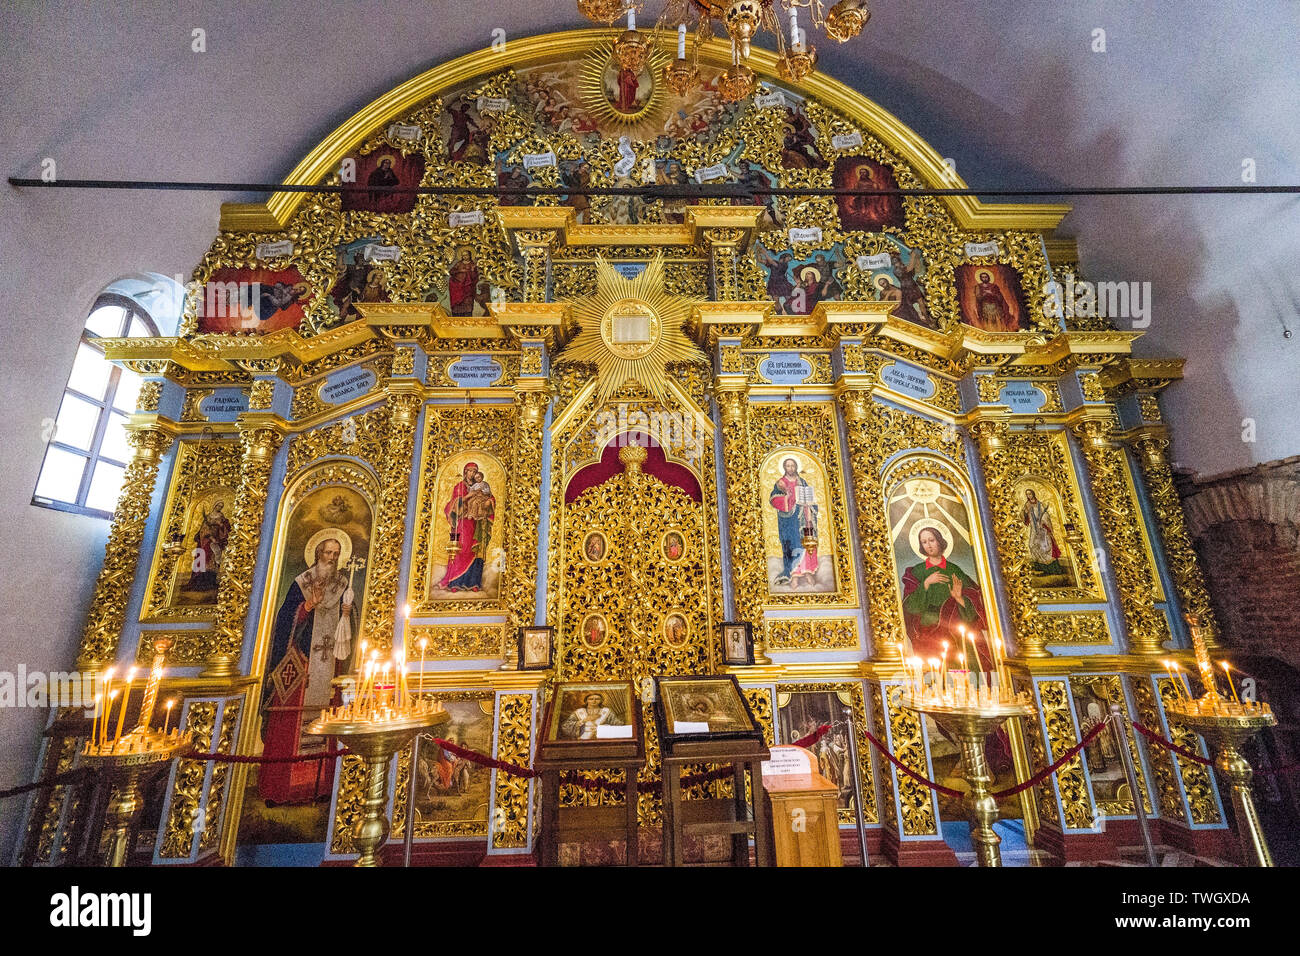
x,y
87,452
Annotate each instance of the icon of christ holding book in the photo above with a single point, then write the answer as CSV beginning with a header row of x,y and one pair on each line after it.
x,y
795,502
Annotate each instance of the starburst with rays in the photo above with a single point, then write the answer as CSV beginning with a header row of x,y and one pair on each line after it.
x,y
631,329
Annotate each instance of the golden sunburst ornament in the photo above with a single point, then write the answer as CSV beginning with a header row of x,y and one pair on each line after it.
x,y
631,330
631,98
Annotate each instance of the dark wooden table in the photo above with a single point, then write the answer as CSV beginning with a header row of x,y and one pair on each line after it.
x,y
565,824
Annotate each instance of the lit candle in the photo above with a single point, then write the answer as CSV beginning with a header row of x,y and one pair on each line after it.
x,y
103,728
424,643
943,667
167,715
94,720
681,41
1179,679
121,714
1232,686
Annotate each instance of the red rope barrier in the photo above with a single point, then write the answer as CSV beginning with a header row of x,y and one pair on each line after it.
x,y
485,761
1033,781
76,775
946,791
1046,772
813,737
1170,745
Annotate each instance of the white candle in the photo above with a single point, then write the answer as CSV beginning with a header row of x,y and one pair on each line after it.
x,y
631,18
681,41
796,35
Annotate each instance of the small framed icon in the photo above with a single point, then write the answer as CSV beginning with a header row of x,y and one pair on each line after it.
x,y
594,547
536,645
737,643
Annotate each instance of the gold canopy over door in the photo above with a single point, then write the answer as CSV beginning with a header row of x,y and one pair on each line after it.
x,y
635,594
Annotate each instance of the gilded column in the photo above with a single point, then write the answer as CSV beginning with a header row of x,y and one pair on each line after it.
x,y
1151,443
743,517
532,397
992,436
122,554
260,436
535,250
404,400
724,248
1122,525
865,427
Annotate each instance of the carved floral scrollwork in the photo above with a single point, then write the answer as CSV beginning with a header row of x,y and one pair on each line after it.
x,y
103,627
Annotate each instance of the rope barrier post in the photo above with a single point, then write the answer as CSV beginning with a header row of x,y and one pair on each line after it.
x,y
1118,724
409,837
857,787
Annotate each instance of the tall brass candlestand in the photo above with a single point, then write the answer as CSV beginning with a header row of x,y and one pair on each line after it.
x,y
970,724
376,741
1226,732
125,769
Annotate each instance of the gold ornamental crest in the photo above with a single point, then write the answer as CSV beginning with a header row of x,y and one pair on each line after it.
x,y
631,329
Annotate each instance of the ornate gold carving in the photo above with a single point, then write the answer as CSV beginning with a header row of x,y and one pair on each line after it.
x,y
1048,812
200,467
878,720
348,805
1073,627
875,434
363,436
812,634
908,745
1122,524
149,396
634,585
514,744
187,789
404,360
1009,456
1198,786
1162,765
1091,387
1071,784
122,553
748,563
1180,557
390,519
261,394
459,641
258,444
220,773
990,388
1149,406
525,510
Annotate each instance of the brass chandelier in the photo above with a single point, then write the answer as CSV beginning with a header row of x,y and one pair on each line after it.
x,y
743,21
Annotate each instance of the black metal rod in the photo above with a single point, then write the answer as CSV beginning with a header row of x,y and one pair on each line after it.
x,y
700,191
